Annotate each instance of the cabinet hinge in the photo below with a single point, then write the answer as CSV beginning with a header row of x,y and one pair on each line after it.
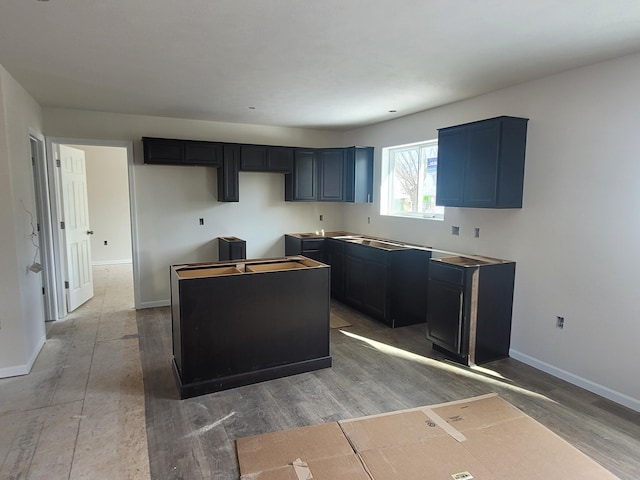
x,y
62,225
66,284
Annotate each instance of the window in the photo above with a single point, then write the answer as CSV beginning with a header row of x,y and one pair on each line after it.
x,y
409,181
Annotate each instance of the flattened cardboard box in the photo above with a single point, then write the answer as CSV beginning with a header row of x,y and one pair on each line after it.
x,y
322,450
482,438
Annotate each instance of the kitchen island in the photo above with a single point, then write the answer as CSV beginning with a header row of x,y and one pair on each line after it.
x,y
243,322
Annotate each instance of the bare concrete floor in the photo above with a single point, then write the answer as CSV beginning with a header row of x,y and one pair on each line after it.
x,y
80,413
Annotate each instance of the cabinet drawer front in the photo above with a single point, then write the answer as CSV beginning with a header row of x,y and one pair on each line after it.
x,y
312,244
446,273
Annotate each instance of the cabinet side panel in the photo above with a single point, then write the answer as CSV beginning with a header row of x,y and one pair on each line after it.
x,y
511,173
495,302
176,327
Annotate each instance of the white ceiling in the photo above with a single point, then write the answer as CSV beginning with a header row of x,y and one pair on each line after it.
x,y
334,64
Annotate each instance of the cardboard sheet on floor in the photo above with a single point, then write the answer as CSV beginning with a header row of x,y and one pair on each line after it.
x,y
482,438
321,451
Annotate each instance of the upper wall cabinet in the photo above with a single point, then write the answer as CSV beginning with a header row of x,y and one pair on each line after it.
x,y
182,152
331,175
359,175
262,158
481,164
302,184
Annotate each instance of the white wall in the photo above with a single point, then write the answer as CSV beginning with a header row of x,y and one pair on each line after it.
x,y
22,331
108,196
170,200
576,238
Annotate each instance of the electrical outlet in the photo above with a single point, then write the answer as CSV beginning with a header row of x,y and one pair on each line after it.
x,y
455,230
368,219
106,243
202,221
560,322
321,218
476,232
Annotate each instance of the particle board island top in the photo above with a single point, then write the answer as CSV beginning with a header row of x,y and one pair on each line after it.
x,y
243,322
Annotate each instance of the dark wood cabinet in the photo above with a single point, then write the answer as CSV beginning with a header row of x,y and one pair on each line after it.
x,y
280,159
311,174
262,158
469,310
231,248
334,255
309,247
228,181
206,154
302,183
221,340
161,151
253,158
359,174
481,164
386,284
331,175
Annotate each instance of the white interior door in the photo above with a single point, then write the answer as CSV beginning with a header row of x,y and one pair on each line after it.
x,y
77,229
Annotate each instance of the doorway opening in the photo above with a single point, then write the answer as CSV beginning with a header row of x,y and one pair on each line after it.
x,y
92,212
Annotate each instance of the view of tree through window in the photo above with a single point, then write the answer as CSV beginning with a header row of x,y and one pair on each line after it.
x,y
412,180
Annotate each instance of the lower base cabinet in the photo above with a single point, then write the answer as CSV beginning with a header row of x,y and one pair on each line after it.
x,y
469,310
236,323
386,284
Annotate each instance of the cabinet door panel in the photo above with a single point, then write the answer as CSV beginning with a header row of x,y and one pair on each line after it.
x,y
302,184
445,315
481,169
207,154
355,281
280,159
452,154
163,152
376,291
228,184
331,174
253,158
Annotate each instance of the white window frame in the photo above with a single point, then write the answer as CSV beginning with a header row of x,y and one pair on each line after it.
x,y
387,203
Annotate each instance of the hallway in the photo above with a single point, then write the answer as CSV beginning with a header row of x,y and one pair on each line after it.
x,y
80,413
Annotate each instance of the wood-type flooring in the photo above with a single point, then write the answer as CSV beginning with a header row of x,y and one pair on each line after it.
x,y
375,369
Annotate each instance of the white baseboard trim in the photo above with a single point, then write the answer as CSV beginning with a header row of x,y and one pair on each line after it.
x,y
18,370
99,263
593,387
157,303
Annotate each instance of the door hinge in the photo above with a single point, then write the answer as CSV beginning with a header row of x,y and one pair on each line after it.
x,y
66,284
43,290
38,226
62,225
58,163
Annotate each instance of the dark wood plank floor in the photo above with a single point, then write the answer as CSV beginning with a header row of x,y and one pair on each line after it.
x,y
375,369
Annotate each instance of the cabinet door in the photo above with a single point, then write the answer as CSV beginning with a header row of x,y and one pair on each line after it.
x,y
452,154
208,154
376,291
280,159
301,185
445,315
359,175
162,151
228,184
334,256
253,158
355,281
481,169
331,175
